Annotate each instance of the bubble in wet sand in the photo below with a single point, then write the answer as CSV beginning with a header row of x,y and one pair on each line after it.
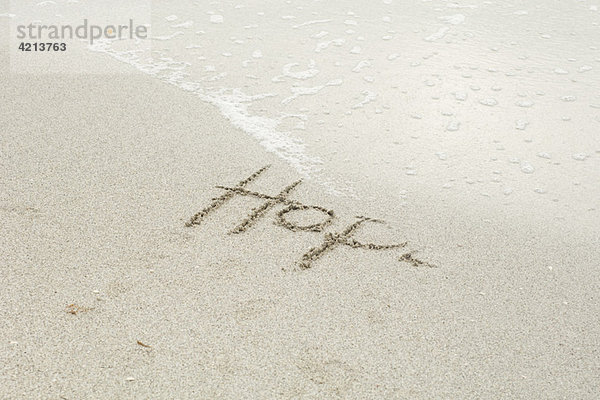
x,y
490,102
527,168
216,19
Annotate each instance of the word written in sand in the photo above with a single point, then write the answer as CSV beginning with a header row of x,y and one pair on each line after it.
x,y
331,240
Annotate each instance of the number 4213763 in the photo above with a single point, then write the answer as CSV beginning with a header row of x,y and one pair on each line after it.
x,y
41,46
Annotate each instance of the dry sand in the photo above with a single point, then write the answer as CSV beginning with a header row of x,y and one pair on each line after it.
x,y
107,294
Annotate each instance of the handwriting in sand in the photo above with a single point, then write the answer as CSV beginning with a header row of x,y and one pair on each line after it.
x,y
330,241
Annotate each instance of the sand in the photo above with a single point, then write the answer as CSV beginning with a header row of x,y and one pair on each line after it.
x,y
117,285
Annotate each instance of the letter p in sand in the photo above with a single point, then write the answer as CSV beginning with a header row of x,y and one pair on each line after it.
x,y
332,240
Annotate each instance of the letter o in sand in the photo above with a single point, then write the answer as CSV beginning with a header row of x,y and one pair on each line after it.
x,y
313,227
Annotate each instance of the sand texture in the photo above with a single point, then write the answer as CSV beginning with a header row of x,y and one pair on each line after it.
x,y
152,246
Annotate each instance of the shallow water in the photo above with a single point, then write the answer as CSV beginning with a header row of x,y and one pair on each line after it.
x,y
491,99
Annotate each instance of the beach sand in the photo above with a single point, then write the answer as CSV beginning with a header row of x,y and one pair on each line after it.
x,y
106,293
